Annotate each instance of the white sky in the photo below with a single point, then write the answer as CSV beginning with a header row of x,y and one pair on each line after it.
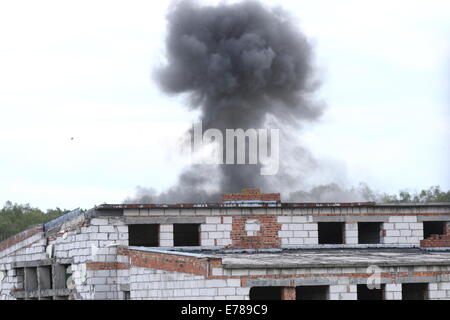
x,y
82,69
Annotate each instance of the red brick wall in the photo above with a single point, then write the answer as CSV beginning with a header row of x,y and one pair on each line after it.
x,y
266,237
251,194
436,241
169,262
106,265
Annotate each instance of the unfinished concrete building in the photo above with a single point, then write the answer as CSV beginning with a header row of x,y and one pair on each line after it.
x,y
249,246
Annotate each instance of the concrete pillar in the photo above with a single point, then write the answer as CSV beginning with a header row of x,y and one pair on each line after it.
x,y
343,292
351,233
166,235
20,274
393,291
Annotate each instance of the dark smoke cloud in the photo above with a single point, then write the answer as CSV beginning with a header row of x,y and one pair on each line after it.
x,y
242,66
328,193
239,63
194,185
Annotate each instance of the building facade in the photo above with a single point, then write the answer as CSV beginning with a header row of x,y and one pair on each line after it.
x,y
250,246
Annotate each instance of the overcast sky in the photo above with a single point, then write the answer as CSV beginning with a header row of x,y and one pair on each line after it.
x,y
83,123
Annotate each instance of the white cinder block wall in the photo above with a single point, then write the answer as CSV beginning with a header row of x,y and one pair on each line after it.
x,y
92,243
393,291
403,230
297,230
166,235
439,291
351,233
154,284
300,230
216,231
343,292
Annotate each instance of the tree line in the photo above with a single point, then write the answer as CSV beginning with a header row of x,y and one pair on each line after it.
x,y
15,218
432,194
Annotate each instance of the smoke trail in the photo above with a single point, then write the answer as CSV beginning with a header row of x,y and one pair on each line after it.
x,y
243,66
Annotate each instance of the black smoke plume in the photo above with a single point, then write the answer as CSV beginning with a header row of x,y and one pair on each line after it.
x,y
242,65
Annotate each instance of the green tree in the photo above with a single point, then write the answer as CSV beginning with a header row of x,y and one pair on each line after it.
x,y
15,218
433,194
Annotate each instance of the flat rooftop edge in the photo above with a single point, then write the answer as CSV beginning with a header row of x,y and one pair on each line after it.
x,y
334,258
106,206
313,257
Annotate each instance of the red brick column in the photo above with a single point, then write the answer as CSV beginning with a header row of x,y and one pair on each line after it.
x,y
288,293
